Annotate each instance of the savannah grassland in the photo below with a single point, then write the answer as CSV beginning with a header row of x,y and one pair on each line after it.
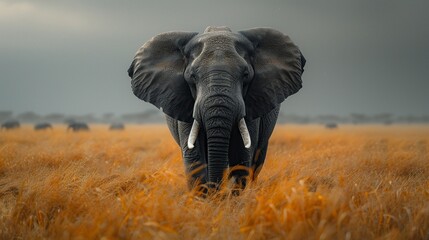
x,y
354,182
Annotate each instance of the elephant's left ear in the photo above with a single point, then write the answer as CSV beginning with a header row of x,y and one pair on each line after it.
x,y
278,66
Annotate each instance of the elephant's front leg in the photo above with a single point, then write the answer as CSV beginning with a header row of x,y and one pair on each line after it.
x,y
240,158
194,159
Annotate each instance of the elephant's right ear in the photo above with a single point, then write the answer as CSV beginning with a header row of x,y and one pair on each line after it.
x,y
157,75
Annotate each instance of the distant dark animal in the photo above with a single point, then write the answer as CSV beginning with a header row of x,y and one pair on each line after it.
x,y
69,121
221,92
331,125
42,126
78,126
117,126
11,124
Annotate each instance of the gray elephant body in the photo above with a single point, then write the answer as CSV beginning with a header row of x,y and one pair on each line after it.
x,y
78,126
11,124
240,159
221,92
42,126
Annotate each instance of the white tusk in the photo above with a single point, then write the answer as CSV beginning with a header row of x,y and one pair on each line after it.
x,y
244,133
193,134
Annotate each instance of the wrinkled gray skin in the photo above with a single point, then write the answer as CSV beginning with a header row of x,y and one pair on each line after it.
x,y
217,78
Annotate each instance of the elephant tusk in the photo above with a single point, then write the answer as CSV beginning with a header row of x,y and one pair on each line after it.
x,y
244,133
193,134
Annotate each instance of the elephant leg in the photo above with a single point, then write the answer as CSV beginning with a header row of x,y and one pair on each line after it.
x,y
240,158
266,127
258,161
194,159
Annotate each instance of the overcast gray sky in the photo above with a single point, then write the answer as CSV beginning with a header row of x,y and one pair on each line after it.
x,y
368,56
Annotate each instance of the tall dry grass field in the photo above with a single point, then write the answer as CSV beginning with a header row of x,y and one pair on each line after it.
x,y
354,182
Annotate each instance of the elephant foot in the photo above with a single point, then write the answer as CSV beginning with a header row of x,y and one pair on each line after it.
x,y
238,178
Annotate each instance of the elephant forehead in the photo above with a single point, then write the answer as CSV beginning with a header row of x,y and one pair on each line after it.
x,y
217,39
220,39
217,29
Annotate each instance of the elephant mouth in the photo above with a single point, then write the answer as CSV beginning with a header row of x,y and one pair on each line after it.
x,y
244,132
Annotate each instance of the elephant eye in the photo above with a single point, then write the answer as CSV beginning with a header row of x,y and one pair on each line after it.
x,y
246,74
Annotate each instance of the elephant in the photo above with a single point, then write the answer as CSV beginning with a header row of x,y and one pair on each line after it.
x,y
331,125
42,126
11,124
117,126
221,93
78,126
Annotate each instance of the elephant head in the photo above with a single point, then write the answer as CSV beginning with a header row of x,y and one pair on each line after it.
x,y
217,80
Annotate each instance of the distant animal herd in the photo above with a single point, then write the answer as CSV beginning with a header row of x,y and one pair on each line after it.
x,y
84,127
71,126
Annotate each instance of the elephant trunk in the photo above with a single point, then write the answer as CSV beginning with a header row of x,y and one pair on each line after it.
x,y
218,125
219,107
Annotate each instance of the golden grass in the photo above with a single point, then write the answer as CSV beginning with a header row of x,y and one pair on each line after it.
x,y
355,182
